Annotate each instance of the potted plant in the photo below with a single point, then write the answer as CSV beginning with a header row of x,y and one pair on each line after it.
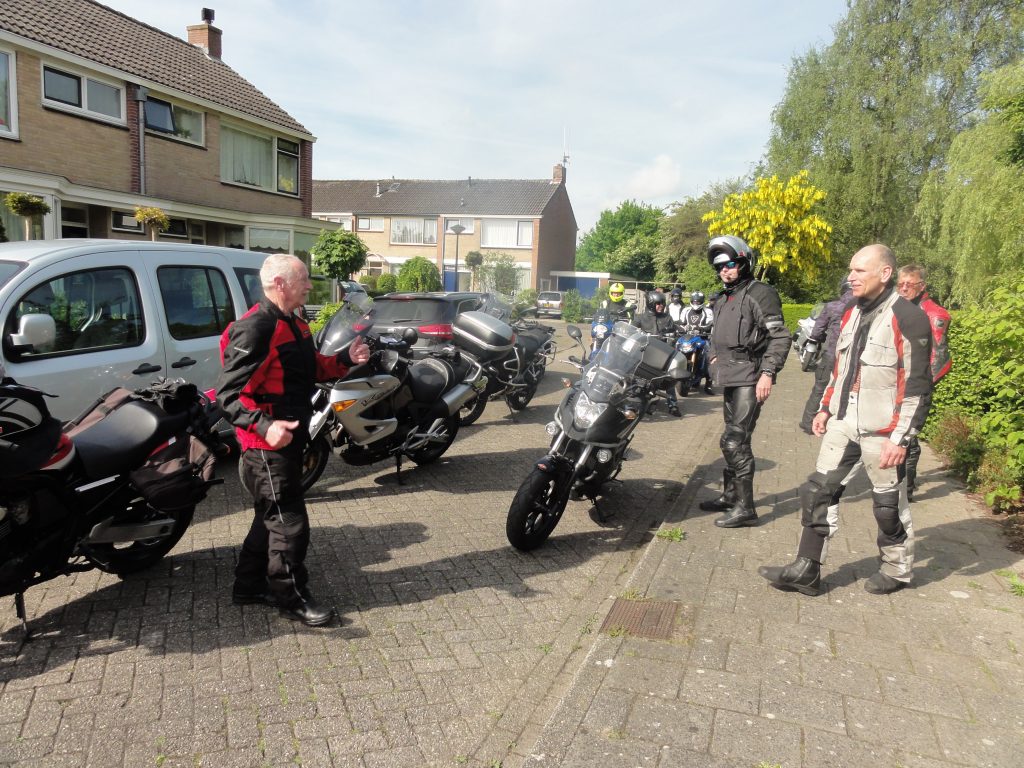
x,y
152,219
28,207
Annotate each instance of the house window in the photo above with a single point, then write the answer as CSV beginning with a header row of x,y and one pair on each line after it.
x,y
173,120
8,102
413,231
506,233
74,221
270,240
122,221
67,90
259,161
467,223
370,224
234,237
176,228
197,232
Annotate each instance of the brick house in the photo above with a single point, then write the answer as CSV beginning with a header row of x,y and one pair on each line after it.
x,y
530,219
100,113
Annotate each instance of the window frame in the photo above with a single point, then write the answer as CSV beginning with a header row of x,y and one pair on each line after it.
x,y
369,223
174,134
519,228
82,108
275,158
423,220
66,222
222,316
10,131
137,229
469,228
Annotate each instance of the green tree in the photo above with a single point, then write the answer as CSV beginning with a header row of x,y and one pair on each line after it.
x,y
973,207
780,222
683,235
337,254
419,274
627,236
387,283
473,260
875,111
499,272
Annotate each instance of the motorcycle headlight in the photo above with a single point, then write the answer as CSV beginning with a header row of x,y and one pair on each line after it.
x,y
687,348
600,331
585,412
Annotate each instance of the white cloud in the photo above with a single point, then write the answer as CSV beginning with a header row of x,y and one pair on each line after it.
x,y
656,180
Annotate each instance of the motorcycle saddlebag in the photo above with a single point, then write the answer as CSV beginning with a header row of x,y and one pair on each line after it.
x,y
176,475
657,357
28,433
482,335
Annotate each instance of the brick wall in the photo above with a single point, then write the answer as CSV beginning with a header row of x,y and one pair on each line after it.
x,y
557,240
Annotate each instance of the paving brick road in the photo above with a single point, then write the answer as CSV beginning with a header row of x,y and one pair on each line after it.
x,y
456,650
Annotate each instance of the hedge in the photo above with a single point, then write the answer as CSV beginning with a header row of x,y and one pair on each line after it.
x,y
793,312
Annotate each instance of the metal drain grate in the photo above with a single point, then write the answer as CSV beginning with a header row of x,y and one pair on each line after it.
x,y
653,619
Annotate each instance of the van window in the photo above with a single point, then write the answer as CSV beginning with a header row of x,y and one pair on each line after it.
x,y
252,288
196,301
94,309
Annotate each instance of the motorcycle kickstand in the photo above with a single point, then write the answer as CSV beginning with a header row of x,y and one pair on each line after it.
x,y
19,607
398,468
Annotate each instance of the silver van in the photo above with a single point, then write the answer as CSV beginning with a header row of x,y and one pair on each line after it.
x,y
81,317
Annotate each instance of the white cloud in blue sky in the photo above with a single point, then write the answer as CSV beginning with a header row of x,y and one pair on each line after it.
x,y
658,99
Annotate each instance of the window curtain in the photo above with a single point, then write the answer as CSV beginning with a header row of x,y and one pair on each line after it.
x,y
498,233
5,92
246,159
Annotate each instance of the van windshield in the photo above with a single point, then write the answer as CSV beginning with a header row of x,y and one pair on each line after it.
x,y
9,269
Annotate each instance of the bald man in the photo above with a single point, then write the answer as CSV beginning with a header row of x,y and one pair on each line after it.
x,y
875,403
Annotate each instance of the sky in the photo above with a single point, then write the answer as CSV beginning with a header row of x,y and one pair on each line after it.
x,y
652,100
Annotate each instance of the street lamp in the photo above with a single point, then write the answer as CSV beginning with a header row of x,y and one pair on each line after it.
x,y
458,229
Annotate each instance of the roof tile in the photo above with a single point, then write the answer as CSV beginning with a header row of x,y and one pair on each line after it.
x,y
474,197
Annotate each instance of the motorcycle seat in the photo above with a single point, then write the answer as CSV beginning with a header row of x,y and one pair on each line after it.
x,y
429,379
124,438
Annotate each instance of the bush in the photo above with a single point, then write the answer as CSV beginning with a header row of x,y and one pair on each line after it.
x,y
419,274
793,312
327,311
387,283
370,281
575,307
527,297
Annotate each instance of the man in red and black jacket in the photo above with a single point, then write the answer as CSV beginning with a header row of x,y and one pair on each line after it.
x,y
271,367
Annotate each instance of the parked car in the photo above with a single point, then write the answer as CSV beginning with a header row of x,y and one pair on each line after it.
x,y
80,317
549,303
431,314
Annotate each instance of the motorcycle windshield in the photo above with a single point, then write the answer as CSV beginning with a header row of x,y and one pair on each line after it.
x,y
612,369
355,315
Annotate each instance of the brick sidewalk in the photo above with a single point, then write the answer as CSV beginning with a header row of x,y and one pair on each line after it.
x,y
930,676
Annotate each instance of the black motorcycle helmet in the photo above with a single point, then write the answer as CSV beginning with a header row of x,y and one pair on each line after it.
x,y
726,248
654,300
677,293
697,299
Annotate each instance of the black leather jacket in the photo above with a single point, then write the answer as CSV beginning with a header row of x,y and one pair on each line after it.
x,y
748,336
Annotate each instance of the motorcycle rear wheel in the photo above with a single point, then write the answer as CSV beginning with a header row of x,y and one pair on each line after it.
x,y
520,398
472,410
434,451
314,460
536,509
807,361
124,559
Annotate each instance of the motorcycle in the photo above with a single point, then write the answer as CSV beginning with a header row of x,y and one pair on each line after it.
x,y
393,405
694,346
517,374
808,351
114,489
600,328
592,429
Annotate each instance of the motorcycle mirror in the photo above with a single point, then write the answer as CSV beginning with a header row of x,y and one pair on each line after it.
x,y
574,332
410,336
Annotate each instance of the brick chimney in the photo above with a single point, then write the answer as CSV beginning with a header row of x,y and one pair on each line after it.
x,y
558,174
205,35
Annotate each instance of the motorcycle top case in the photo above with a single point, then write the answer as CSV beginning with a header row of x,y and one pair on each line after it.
x,y
482,335
657,360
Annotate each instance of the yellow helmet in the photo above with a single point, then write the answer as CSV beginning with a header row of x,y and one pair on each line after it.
x,y
616,291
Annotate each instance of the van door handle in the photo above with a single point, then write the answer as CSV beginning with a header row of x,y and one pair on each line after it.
x,y
185,362
146,368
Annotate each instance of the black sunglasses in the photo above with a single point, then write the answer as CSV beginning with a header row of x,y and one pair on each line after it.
x,y
727,265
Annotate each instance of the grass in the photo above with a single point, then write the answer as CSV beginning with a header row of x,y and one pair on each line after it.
x,y
671,534
631,594
546,647
618,631
1016,585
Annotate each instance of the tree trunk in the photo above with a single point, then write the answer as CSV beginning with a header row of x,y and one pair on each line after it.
x,y
28,227
153,230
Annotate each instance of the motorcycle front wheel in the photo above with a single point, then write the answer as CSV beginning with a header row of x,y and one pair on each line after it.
x,y
806,361
434,451
520,398
126,558
314,460
472,410
536,509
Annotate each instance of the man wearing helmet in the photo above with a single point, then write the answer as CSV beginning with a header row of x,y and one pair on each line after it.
x,y
826,329
657,322
617,303
748,347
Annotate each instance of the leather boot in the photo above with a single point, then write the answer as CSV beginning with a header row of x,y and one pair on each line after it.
x,y
803,575
742,511
726,499
308,611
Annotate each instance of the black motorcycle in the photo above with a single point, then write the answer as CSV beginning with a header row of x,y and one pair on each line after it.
x,y
516,375
593,427
394,405
114,489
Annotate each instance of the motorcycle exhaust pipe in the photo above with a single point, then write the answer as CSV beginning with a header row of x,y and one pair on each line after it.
x,y
457,397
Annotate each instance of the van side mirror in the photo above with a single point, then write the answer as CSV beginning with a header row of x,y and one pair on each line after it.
x,y
36,333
